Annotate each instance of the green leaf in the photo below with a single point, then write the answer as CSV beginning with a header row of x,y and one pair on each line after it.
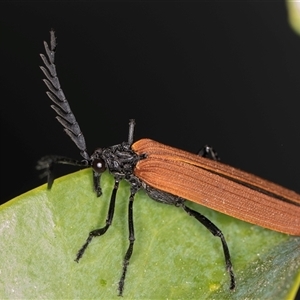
x,y
293,14
174,256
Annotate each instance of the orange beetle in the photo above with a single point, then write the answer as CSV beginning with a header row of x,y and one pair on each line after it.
x,y
170,176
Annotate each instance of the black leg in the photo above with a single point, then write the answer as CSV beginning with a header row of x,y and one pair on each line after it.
x,y
47,164
208,151
101,231
96,182
131,243
216,232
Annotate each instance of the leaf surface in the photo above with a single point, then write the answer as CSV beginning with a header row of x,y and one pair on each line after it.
x,y
174,256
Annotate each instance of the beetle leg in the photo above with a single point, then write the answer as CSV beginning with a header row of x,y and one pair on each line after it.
x,y
131,243
47,164
216,232
208,151
101,231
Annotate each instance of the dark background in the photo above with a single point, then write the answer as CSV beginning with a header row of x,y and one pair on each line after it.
x,y
225,74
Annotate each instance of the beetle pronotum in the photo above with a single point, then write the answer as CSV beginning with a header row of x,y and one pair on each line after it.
x,y
170,175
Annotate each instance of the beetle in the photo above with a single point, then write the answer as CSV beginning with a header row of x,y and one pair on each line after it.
x,y
169,175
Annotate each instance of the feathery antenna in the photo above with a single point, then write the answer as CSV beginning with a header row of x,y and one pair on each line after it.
x,y
64,114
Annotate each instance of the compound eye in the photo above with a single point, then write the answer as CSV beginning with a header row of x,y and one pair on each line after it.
x,y
98,165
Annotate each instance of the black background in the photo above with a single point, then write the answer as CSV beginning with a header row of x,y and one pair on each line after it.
x,y
190,73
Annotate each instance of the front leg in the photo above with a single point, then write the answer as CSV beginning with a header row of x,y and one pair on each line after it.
x,y
96,182
47,164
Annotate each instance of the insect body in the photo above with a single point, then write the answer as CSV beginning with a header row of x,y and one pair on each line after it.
x,y
170,176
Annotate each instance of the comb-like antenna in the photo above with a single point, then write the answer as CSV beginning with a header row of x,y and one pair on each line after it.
x,y
131,130
56,94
